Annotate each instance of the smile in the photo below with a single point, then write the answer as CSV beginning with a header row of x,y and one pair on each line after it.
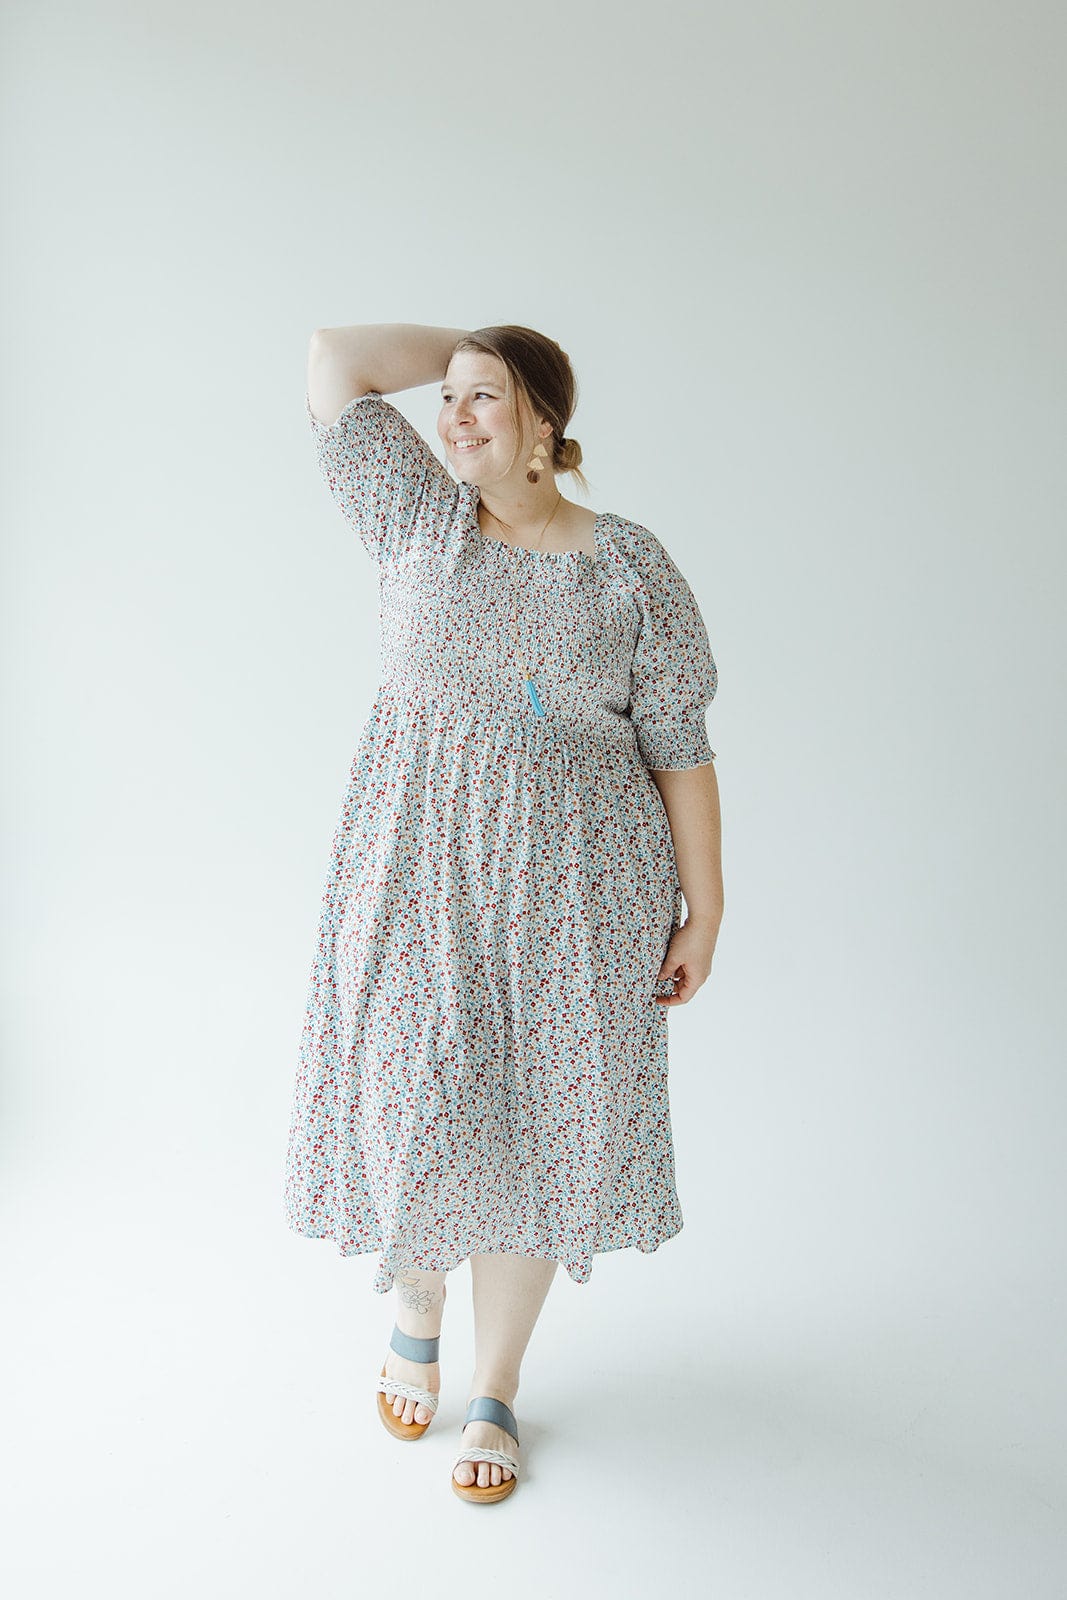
x,y
469,444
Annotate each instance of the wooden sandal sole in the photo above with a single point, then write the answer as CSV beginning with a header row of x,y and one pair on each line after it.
x,y
485,1496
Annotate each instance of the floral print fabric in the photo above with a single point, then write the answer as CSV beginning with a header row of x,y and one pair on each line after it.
x,y
483,1066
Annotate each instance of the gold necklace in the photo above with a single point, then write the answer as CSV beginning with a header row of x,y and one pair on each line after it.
x,y
527,676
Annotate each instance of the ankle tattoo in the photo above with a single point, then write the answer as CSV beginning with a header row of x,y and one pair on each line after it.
x,y
416,1297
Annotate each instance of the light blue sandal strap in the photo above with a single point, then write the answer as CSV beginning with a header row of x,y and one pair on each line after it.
x,y
413,1348
483,1408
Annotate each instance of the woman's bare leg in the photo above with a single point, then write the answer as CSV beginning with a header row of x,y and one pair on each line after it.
x,y
509,1291
420,1304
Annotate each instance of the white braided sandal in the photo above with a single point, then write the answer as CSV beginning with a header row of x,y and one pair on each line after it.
x,y
412,1349
484,1408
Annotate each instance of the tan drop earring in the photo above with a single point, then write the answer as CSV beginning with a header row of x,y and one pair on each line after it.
x,y
534,467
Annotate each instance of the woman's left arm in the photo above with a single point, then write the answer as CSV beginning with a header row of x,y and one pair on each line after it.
x,y
691,800
673,679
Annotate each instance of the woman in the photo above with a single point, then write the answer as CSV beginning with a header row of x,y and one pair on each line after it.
x,y
483,1067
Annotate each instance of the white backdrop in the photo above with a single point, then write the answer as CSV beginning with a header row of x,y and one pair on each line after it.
x,y
808,262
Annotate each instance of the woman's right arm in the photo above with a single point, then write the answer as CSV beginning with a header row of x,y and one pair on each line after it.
x,y
344,363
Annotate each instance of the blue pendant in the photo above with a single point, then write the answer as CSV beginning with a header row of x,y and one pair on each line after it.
x,y
531,690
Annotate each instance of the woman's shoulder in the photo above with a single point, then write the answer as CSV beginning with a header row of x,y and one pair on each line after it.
x,y
633,542
383,474
642,563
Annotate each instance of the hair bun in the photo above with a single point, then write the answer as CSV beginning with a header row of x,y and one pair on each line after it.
x,y
569,452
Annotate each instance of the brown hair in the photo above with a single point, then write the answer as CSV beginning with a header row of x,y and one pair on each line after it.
x,y
536,368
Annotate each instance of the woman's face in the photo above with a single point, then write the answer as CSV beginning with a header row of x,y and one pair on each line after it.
x,y
473,408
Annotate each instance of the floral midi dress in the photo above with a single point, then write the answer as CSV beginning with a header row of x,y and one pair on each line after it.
x,y
483,1066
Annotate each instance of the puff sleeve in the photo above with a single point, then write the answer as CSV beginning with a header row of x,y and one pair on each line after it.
x,y
673,676
382,474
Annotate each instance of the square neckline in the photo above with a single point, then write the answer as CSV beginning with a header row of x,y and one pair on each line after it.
x,y
475,496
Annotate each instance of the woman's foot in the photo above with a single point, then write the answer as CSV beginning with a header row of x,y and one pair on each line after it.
x,y
426,1374
488,1435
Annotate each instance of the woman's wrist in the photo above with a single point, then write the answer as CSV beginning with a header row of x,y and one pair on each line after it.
x,y
705,917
